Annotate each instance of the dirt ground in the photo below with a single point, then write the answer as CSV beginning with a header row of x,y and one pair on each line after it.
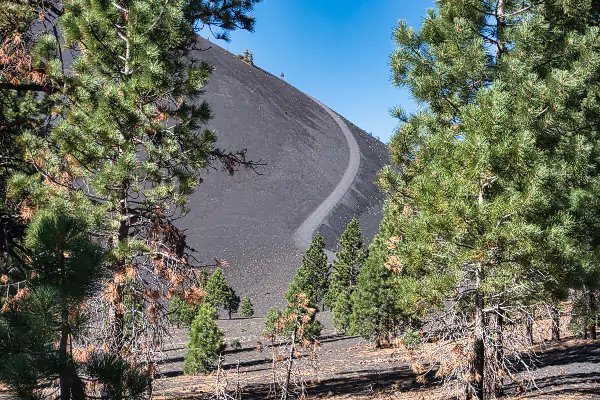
x,y
350,368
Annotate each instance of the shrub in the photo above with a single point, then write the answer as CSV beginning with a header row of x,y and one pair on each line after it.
x,y
181,313
247,308
411,339
206,342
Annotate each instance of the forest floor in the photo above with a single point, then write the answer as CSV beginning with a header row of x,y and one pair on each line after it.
x,y
350,368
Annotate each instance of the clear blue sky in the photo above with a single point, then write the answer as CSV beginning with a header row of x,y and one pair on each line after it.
x,y
336,51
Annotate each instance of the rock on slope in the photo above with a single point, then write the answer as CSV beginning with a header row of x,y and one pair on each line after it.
x,y
250,219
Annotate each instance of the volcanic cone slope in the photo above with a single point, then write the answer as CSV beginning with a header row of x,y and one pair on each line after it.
x,y
315,169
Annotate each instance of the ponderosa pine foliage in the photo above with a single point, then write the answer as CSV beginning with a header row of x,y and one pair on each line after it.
x,y
312,278
181,313
305,292
65,269
495,168
219,294
39,324
20,110
118,129
247,308
206,342
375,313
344,272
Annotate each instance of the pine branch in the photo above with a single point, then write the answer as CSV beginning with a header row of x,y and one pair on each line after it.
x,y
232,160
27,87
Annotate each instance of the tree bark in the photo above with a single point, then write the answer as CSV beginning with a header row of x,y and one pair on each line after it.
x,y
478,362
274,366
286,385
555,314
119,301
529,329
500,24
71,386
65,389
25,87
592,314
499,384
119,322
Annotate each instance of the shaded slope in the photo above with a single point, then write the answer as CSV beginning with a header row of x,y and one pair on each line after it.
x,y
250,219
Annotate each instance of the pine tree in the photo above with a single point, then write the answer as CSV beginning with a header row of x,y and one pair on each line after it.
x,y
313,275
374,310
118,379
299,313
206,342
181,313
345,270
219,294
308,284
233,302
491,168
247,307
342,311
121,126
66,268
271,319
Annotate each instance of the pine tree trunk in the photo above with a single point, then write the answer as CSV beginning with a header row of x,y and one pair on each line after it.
x,y
499,384
584,326
119,322
555,314
65,389
478,361
71,386
500,24
286,385
529,329
592,314
119,300
274,366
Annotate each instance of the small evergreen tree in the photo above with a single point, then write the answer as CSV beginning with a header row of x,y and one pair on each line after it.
x,y
374,314
233,302
66,270
377,302
313,275
344,273
247,307
118,379
181,313
271,319
205,342
342,311
219,294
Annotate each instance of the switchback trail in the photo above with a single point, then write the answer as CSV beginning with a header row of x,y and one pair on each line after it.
x,y
303,235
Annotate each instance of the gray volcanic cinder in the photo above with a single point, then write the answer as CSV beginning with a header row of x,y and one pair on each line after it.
x,y
318,175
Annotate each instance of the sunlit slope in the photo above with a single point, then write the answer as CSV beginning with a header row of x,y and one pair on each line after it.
x,y
250,219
